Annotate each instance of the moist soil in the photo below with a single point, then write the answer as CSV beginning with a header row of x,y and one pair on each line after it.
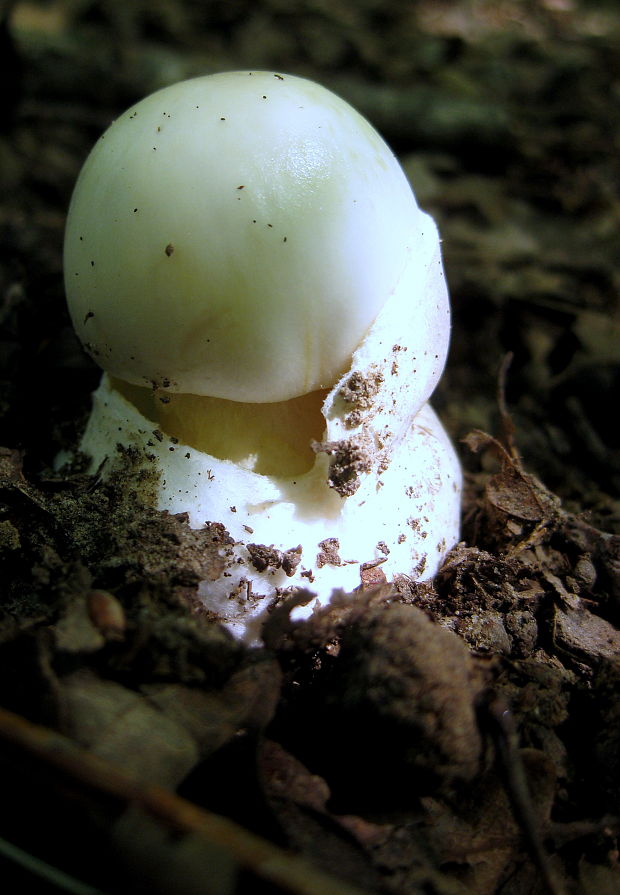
x,y
454,736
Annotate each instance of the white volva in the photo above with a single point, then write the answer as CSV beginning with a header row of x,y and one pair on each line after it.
x,y
246,260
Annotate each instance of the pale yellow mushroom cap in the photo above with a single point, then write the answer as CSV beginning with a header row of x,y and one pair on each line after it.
x,y
236,235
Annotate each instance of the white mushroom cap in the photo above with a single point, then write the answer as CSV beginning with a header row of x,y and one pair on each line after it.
x,y
236,235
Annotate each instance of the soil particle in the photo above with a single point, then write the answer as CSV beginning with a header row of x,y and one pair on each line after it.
x,y
485,633
360,391
328,553
263,558
522,628
372,575
349,458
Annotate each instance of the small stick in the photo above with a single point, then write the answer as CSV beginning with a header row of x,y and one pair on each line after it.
x,y
284,871
505,738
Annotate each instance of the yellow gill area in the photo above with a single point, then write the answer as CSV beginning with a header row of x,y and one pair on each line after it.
x,y
269,439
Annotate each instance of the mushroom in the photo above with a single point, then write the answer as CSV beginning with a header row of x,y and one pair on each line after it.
x,y
246,261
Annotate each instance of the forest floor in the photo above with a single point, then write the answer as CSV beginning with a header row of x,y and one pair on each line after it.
x,y
456,737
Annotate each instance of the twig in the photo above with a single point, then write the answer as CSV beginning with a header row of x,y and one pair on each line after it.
x,y
269,863
508,427
505,737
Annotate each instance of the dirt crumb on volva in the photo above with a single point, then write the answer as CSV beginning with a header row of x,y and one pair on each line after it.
x,y
348,459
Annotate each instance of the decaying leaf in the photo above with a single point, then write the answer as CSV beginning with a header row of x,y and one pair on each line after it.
x,y
182,725
516,510
585,635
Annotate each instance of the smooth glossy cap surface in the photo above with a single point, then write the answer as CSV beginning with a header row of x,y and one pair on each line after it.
x,y
236,235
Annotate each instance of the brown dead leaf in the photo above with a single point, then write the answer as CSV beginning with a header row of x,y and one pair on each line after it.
x,y
517,495
515,510
478,441
206,717
122,726
162,731
246,702
587,636
298,799
479,834
286,779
